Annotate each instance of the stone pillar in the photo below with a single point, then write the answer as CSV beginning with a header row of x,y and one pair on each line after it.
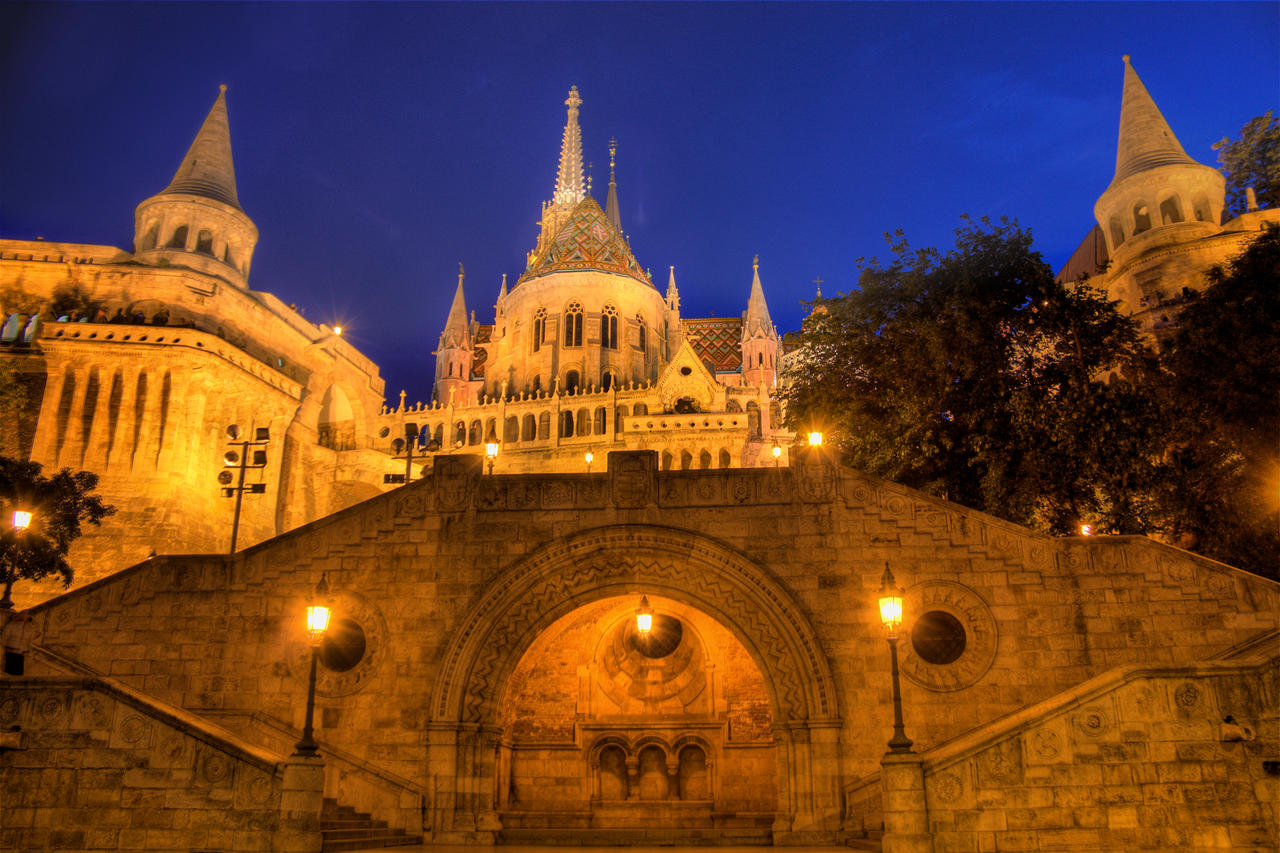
x,y
301,799
906,817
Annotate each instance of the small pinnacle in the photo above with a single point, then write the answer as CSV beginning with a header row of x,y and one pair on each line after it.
x,y
222,88
755,262
1125,58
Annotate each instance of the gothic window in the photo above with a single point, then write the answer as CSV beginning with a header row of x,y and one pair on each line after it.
x,y
666,460
584,422
686,460
529,431
1170,211
640,409
437,437
609,327
601,420
704,460
571,381
511,432
539,328
460,434
573,324
606,379
536,385
544,426
204,243
725,461
179,239
566,424
474,435
642,334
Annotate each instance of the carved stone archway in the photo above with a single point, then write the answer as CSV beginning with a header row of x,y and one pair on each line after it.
x,y
591,565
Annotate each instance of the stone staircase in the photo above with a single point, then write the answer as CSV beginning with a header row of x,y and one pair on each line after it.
x,y
344,828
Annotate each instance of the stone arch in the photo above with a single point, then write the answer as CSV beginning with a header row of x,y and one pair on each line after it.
x,y
630,559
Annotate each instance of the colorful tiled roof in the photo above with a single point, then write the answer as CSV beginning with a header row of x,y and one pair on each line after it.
x,y
586,241
717,341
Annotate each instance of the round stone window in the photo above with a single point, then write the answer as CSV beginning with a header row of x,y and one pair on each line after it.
x,y
343,646
938,638
662,640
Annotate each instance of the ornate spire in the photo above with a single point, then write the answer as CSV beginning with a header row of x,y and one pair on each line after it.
x,y
611,203
756,321
569,191
673,295
455,328
1146,141
207,169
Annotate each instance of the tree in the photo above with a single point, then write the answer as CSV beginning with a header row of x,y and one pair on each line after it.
x,y
58,505
1253,160
977,377
1223,364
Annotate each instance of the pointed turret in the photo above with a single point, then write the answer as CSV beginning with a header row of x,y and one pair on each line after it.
x,y
569,189
759,339
675,330
673,295
197,221
1156,185
454,354
207,169
611,203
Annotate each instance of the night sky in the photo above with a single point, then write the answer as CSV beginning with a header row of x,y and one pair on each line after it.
x,y
378,144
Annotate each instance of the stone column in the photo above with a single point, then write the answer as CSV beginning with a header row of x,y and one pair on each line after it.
x,y
301,799
906,816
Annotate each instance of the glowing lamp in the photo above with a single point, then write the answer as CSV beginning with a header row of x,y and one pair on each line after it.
x,y
815,439
21,519
777,451
644,616
318,612
1086,530
589,457
890,602
337,330
490,453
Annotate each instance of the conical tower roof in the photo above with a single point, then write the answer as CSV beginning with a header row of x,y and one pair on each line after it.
x,y
587,241
757,320
1146,141
455,332
207,170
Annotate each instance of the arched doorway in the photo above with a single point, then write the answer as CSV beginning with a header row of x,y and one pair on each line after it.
x,y
466,751
606,728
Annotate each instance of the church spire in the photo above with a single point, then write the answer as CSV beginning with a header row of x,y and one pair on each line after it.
x,y
455,328
569,189
673,295
757,320
611,203
207,169
1146,140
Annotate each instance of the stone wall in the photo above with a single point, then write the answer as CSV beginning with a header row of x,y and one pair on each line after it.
x,y
89,765
453,578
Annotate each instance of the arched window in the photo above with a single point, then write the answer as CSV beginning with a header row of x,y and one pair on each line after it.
x,y
1170,211
460,434
149,241
474,436
1201,207
512,430
1117,233
571,381
602,420
566,424
530,429
226,257
725,461
609,327
640,409
536,385
618,416
686,460
704,460
666,460
613,773
1141,218
691,775
641,335
606,379
544,426
573,324
753,418
204,242
539,328
179,239
584,422
438,437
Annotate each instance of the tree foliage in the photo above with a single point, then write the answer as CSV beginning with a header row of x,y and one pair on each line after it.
x,y
1253,160
975,376
58,504
1224,401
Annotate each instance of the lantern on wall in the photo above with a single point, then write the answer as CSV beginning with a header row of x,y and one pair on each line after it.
x,y
644,616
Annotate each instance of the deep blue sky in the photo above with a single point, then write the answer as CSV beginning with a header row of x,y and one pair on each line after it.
x,y
378,144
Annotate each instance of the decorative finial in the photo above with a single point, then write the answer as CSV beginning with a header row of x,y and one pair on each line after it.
x,y
755,262
222,88
1125,58
461,271
613,152
573,101
818,284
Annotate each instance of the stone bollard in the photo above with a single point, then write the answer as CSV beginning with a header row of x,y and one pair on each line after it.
x,y
906,818
301,799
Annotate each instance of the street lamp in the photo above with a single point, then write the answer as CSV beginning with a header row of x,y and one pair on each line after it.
x,y
318,614
815,439
590,457
777,455
891,616
20,522
490,453
242,460
644,616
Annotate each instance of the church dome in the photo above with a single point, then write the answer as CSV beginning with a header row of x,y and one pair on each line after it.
x,y
586,241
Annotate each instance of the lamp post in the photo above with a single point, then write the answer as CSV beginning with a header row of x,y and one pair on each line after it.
x,y
19,523
490,453
241,459
590,457
891,616
318,614
815,438
777,455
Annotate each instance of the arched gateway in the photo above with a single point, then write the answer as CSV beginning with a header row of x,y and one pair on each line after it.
x,y
465,764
